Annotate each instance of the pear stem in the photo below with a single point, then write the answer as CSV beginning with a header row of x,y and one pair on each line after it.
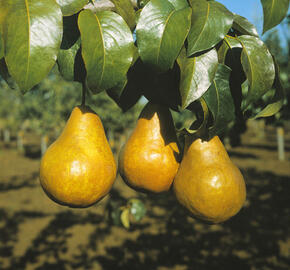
x,y
84,90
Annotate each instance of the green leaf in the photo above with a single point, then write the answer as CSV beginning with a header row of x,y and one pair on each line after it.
x,y
197,74
126,10
229,54
229,43
258,66
274,12
137,209
274,106
1,47
161,31
220,102
5,5
125,218
278,99
69,59
199,119
210,22
128,92
6,76
70,7
32,33
107,48
244,26
70,63
142,3
179,4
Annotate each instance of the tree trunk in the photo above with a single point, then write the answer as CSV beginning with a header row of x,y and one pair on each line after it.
x,y
20,147
6,136
280,142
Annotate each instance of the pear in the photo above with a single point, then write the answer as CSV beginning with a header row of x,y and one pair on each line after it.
x,y
79,169
150,158
207,183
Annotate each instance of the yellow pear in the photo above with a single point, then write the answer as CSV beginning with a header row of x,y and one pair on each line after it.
x,y
207,183
79,169
150,158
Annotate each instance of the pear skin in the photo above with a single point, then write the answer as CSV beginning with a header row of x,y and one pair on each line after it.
x,y
79,169
150,158
208,184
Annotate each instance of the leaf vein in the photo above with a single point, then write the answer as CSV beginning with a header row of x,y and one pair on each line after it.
x,y
207,15
104,53
159,47
28,49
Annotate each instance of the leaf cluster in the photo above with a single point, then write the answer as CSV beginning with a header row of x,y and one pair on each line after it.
x,y
185,54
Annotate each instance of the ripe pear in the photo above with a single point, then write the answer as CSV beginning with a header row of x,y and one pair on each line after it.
x,y
207,183
150,158
79,169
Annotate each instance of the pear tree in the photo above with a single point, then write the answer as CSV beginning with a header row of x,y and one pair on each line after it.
x,y
189,55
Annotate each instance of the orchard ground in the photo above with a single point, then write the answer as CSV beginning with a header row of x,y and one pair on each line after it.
x,y
37,234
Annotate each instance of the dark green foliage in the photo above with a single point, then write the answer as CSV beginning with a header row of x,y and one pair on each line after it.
x,y
173,52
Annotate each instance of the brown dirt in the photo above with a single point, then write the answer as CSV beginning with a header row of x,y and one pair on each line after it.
x,y
37,234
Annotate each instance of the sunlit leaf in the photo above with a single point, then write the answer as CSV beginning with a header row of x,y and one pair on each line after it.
x,y
142,3
70,7
274,106
244,26
107,48
32,33
274,12
126,10
210,22
161,31
229,43
258,66
179,4
278,99
1,47
5,5
219,100
197,74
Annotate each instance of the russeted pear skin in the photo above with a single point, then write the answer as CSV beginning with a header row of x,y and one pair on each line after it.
x,y
150,158
79,169
207,183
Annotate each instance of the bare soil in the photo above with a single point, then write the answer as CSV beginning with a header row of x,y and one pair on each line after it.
x,y
37,234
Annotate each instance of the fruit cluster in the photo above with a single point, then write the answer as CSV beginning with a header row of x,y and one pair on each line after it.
x,y
79,169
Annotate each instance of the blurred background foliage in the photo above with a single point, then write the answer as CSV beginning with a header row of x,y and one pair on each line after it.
x,y
46,108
